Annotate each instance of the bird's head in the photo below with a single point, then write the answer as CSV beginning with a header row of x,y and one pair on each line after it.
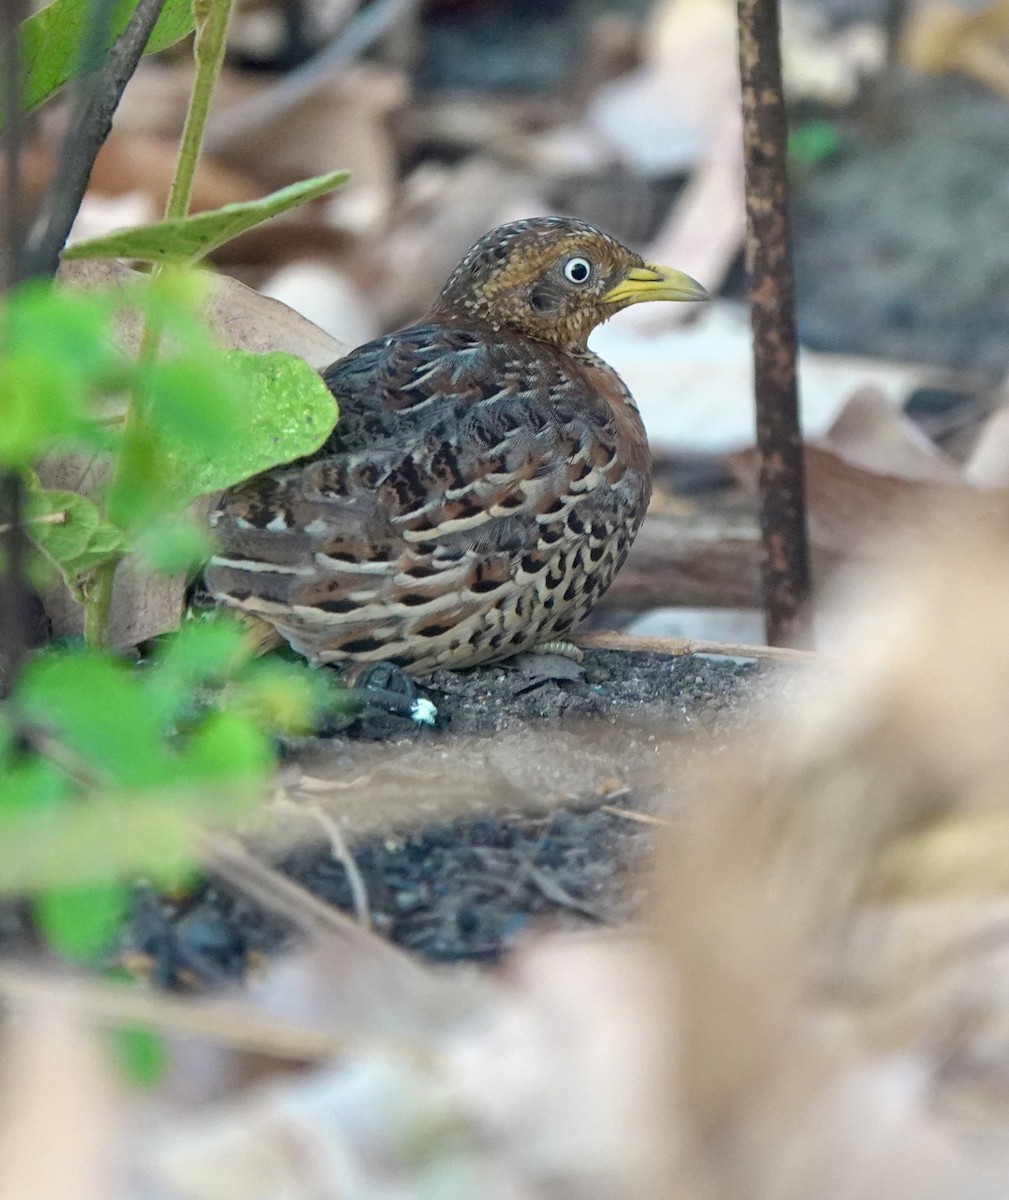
x,y
554,279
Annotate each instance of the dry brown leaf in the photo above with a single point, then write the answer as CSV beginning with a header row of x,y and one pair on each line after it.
x,y
144,162
873,471
869,432
704,231
346,124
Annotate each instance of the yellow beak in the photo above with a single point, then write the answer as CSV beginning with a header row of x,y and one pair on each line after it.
x,y
654,283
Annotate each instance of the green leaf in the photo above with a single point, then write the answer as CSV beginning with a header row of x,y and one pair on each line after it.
x,y
191,238
281,696
814,142
173,545
67,539
81,541
202,652
142,1055
228,747
155,835
51,40
99,709
288,412
47,396
80,922
32,785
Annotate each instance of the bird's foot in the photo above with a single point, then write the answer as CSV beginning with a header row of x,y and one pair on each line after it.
x,y
386,693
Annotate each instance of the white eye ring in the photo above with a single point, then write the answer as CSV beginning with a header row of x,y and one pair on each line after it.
x,y
577,270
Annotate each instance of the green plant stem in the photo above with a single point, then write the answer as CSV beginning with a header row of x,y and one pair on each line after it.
x,y
212,18
97,602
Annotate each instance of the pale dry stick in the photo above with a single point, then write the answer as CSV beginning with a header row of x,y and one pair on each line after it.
x,y
680,647
112,1005
290,900
338,845
629,814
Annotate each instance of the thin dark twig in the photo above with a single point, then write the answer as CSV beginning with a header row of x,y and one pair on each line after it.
x,y
15,599
768,261
12,14
85,137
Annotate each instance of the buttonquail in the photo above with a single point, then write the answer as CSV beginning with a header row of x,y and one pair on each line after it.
x,y
485,479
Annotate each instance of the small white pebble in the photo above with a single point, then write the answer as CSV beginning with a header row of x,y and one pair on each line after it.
x,y
423,711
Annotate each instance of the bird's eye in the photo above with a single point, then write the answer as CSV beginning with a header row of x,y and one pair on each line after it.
x,y
577,270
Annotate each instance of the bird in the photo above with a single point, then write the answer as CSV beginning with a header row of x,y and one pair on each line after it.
x,y
485,478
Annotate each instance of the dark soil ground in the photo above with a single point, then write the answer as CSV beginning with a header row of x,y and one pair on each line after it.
x,y
467,885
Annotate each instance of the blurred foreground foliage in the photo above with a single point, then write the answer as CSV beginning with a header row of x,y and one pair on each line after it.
x,y
106,768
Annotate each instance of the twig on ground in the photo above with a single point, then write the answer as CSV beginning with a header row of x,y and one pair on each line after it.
x,y
114,1005
631,814
338,845
679,647
85,136
768,261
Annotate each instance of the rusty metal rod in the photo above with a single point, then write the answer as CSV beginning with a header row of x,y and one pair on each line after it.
x,y
786,574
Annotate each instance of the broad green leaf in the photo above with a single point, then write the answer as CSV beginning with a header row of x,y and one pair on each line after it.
x,y
227,747
202,652
279,695
173,545
195,399
80,921
66,539
31,785
156,835
98,708
51,40
40,405
288,412
78,543
142,1054
143,488
106,542
191,238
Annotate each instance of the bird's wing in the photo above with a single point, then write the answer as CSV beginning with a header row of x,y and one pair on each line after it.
x,y
459,468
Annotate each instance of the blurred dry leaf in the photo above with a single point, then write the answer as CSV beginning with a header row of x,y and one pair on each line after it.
x,y
988,465
144,162
240,318
694,384
837,919
872,472
327,296
870,433
444,211
346,123
704,230
940,38
61,1111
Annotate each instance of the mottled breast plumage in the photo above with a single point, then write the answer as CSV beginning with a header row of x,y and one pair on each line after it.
x,y
481,487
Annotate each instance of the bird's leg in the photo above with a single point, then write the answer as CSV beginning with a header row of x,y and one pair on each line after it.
x,y
560,647
386,685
